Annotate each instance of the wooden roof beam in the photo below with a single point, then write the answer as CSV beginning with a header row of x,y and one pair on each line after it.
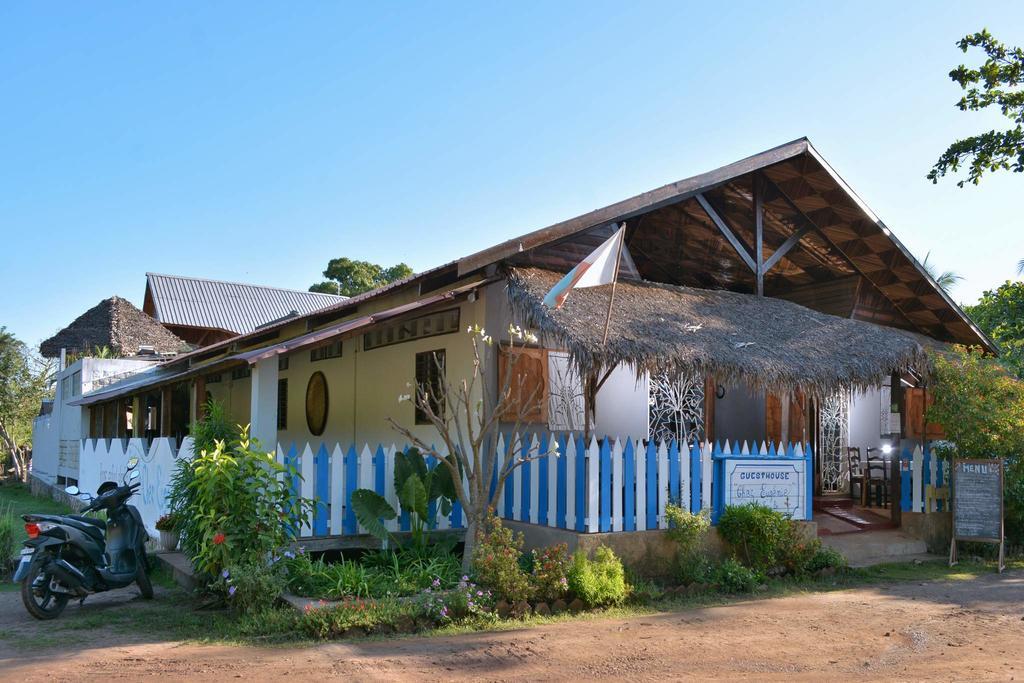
x,y
727,232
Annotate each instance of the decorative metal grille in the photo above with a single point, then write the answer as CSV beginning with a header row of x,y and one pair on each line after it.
x,y
676,408
834,420
565,391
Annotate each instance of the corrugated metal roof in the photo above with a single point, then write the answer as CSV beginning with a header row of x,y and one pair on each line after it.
x,y
231,306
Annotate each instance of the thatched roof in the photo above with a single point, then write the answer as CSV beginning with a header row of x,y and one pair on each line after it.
x,y
114,323
765,342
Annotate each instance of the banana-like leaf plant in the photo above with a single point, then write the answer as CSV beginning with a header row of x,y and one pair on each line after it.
x,y
417,487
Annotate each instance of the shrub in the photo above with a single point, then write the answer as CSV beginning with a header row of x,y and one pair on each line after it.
x,y
466,601
359,617
241,506
693,568
756,533
642,591
9,536
796,550
732,577
549,575
251,587
496,562
689,532
687,529
826,557
206,433
601,581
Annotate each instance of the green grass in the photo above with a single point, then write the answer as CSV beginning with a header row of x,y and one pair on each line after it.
x,y
22,502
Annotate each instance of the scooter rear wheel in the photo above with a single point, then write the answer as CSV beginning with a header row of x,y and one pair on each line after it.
x,y
41,602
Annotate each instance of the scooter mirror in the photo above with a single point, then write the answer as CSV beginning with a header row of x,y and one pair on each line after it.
x,y
84,497
133,463
72,491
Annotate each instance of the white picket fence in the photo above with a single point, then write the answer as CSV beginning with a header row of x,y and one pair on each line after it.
x,y
919,470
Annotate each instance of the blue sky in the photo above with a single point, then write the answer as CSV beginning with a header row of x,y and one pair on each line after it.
x,y
253,142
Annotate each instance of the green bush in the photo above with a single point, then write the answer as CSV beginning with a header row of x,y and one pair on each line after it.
x,y
732,577
9,536
240,506
693,568
826,557
206,433
549,574
797,550
359,617
496,562
756,533
251,587
597,582
689,532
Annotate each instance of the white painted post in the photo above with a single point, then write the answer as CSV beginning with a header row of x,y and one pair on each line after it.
x,y
307,468
932,471
263,403
535,480
617,486
552,464
337,475
663,491
499,458
570,483
389,485
706,473
443,521
593,486
365,477
917,469
641,488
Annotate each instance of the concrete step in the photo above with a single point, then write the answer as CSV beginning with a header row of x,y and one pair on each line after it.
x,y
181,569
875,547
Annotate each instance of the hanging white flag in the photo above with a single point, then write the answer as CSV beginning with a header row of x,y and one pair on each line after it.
x,y
598,268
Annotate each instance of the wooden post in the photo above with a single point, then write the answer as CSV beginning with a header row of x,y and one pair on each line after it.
x,y
122,418
759,233
165,411
615,281
200,387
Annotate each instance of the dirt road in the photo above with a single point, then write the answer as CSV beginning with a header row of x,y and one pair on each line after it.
x,y
965,630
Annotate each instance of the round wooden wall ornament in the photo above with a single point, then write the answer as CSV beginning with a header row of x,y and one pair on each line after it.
x,y
316,403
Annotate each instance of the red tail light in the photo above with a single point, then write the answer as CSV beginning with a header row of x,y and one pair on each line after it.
x,y
32,529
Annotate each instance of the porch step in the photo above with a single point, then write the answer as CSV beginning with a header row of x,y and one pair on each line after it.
x,y
860,518
832,501
877,547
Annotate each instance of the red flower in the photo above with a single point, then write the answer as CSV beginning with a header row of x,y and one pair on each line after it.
x,y
218,538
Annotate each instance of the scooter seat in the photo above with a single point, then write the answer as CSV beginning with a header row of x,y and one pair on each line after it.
x,y
92,527
89,520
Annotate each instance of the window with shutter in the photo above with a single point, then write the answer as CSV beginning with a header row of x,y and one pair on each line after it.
x,y
430,366
282,404
525,373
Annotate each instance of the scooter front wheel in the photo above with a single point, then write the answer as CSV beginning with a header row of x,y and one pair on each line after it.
x,y
142,579
40,601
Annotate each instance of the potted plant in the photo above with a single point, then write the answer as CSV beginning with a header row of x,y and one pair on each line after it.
x,y
167,525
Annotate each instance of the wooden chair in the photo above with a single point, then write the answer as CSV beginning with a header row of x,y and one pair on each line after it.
x,y
856,470
876,479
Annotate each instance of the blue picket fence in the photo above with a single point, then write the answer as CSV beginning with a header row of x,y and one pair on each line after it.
x,y
604,486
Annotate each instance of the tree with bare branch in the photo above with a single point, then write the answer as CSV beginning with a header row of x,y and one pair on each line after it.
x,y
24,381
468,416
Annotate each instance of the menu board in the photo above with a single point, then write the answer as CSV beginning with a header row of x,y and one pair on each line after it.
x,y
978,500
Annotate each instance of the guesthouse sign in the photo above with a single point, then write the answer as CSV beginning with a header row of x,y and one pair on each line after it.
x,y
780,485
977,504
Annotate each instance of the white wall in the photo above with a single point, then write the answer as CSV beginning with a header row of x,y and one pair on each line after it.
x,y
107,460
623,404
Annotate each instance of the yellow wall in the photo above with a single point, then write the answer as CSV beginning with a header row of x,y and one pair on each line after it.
x,y
364,386
233,395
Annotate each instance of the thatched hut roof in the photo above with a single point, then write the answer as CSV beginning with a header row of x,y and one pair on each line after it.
x,y
765,342
114,323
